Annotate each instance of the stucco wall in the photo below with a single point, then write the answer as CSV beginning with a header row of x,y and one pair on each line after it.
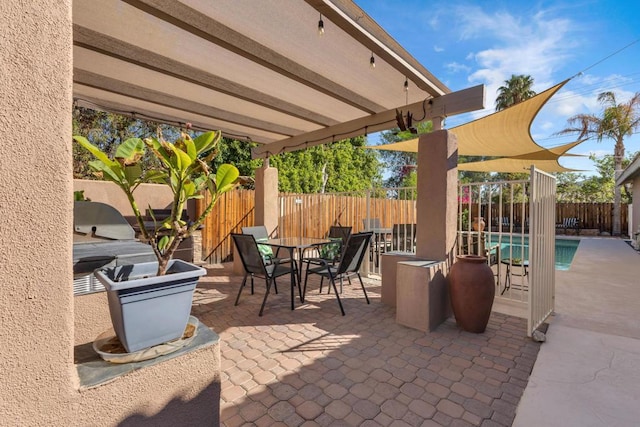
x,y
39,382
635,218
155,195
181,391
36,308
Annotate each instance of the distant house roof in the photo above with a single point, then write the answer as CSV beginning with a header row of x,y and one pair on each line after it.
x,y
630,173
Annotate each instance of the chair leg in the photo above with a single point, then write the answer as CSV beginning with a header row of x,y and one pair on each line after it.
x,y
333,283
244,281
251,283
304,288
363,289
266,294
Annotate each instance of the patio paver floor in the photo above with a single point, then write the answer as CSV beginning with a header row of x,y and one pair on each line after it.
x,y
312,366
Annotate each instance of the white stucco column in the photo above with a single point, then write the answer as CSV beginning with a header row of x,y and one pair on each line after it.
x,y
437,195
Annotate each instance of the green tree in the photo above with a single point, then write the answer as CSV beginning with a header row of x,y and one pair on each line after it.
x,y
515,90
617,121
575,187
569,186
400,164
107,131
238,153
338,167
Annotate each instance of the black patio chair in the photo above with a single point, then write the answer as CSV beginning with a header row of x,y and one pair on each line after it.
x,y
254,265
331,251
349,265
259,232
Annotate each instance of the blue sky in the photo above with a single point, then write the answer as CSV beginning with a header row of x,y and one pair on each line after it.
x,y
484,42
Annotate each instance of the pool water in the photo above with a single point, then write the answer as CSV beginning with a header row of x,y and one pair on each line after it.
x,y
512,246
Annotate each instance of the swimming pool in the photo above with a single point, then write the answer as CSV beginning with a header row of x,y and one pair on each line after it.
x,y
511,247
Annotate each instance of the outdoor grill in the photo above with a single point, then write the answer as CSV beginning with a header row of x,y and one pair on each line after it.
x,y
102,237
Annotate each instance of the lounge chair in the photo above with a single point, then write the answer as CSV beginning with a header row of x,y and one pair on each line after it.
x,y
569,224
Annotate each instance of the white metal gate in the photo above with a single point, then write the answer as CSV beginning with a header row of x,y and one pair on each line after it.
x,y
542,202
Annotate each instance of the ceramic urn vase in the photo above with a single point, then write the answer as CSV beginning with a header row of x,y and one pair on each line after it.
x,y
471,289
478,223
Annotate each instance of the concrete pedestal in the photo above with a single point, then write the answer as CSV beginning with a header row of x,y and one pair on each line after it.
x,y
422,294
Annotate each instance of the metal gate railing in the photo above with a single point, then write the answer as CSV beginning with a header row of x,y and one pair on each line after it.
x,y
541,248
512,224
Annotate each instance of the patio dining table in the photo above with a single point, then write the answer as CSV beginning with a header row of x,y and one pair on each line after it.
x,y
515,262
379,242
296,247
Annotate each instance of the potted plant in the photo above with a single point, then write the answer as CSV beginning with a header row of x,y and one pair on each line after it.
x,y
150,303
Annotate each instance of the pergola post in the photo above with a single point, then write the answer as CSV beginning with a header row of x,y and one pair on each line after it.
x,y
266,210
437,203
266,197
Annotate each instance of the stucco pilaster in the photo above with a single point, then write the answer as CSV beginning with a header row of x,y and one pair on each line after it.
x,y
266,210
36,209
437,195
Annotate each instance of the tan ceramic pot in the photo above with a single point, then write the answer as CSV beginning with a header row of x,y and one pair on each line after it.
x,y
471,289
478,223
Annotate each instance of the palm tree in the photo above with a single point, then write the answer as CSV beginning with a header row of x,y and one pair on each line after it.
x,y
618,120
516,89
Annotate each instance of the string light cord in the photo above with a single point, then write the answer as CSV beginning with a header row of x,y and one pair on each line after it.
x,y
142,116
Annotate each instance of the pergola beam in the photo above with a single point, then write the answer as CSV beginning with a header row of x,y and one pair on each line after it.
x,y
463,101
182,16
117,49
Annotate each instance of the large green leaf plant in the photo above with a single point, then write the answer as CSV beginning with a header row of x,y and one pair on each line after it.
x,y
184,169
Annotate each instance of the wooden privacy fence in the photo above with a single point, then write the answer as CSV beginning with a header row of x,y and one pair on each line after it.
x,y
312,215
304,215
596,216
233,211
592,215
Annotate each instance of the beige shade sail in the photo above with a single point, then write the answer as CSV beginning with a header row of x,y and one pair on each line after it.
x,y
501,134
546,160
507,164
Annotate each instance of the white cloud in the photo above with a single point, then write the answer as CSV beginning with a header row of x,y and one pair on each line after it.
x,y
456,67
535,45
438,49
547,125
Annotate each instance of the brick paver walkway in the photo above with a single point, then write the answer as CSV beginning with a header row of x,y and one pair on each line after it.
x,y
313,366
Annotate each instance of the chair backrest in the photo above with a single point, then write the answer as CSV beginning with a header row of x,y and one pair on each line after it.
x,y
354,252
249,253
257,231
403,236
341,232
371,223
570,222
